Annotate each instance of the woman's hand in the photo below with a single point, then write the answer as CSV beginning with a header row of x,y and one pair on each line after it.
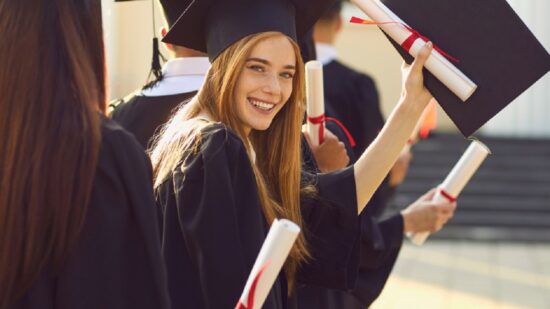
x,y
427,216
331,155
413,89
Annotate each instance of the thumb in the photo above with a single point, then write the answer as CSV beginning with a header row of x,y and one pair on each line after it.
x,y
447,207
308,139
428,196
422,56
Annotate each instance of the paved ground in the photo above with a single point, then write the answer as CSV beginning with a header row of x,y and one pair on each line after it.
x,y
458,274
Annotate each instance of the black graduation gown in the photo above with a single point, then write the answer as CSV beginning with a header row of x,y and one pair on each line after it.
x,y
116,262
214,227
351,97
143,116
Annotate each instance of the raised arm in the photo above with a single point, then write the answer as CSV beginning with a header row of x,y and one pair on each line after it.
x,y
375,163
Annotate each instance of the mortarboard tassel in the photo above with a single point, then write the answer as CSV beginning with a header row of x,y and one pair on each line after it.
x,y
156,68
155,64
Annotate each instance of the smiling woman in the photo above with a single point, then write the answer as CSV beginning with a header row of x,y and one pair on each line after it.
x,y
249,106
229,163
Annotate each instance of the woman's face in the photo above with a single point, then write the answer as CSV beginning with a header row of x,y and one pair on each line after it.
x,y
265,83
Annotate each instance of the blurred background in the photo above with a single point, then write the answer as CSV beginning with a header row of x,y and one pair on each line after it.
x,y
495,252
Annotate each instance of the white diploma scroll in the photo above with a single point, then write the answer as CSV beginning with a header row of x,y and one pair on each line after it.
x,y
437,64
270,260
457,179
315,100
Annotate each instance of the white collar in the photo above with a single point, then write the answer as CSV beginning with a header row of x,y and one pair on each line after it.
x,y
181,75
186,66
325,52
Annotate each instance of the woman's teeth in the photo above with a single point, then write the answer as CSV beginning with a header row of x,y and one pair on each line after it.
x,y
262,105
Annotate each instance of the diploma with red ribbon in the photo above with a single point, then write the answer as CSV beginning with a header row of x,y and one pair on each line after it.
x,y
457,179
412,41
315,99
270,260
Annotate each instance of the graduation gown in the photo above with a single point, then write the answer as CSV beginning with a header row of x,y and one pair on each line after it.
x,y
116,261
351,97
214,227
143,116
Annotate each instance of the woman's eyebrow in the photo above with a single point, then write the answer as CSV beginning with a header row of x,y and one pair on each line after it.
x,y
266,62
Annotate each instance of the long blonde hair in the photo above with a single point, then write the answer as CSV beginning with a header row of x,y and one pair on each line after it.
x,y
278,160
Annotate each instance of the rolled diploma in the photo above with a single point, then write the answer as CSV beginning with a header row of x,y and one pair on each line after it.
x,y
437,64
315,100
274,251
457,179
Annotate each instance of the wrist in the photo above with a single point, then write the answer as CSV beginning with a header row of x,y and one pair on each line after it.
x,y
406,222
413,103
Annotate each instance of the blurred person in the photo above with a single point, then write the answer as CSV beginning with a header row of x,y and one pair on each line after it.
x,y
144,111
352,98
76,197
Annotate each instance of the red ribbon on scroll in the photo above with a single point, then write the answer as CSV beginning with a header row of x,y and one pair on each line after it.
x,y
251,293
321,119
447,195
408,43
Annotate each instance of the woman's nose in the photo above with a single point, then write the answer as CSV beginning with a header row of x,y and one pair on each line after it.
x,y
272,85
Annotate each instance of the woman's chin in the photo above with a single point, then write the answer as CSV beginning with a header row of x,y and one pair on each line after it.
x,y
260,125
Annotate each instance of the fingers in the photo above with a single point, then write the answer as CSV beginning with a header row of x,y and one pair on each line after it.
x,y
448,207
421,58
428,196
329,134
308,138
444,213
331,155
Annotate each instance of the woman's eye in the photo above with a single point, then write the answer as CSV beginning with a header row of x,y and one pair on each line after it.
x,y
257,68
288,75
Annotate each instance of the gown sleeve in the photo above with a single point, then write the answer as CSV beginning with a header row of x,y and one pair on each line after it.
x,y
332,230
381,242
220,220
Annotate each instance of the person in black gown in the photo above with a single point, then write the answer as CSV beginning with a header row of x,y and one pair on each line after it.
x,y
228,163
351,97
77,223
144,111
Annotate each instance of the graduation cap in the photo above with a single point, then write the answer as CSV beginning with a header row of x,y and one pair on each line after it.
x,y
494,48
213,25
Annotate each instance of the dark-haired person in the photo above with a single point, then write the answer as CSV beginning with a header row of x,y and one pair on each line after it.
x,y
76,202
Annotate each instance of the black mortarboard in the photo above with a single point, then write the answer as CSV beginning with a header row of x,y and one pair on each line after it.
x,y
307,46
494,47
172,10
213,25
